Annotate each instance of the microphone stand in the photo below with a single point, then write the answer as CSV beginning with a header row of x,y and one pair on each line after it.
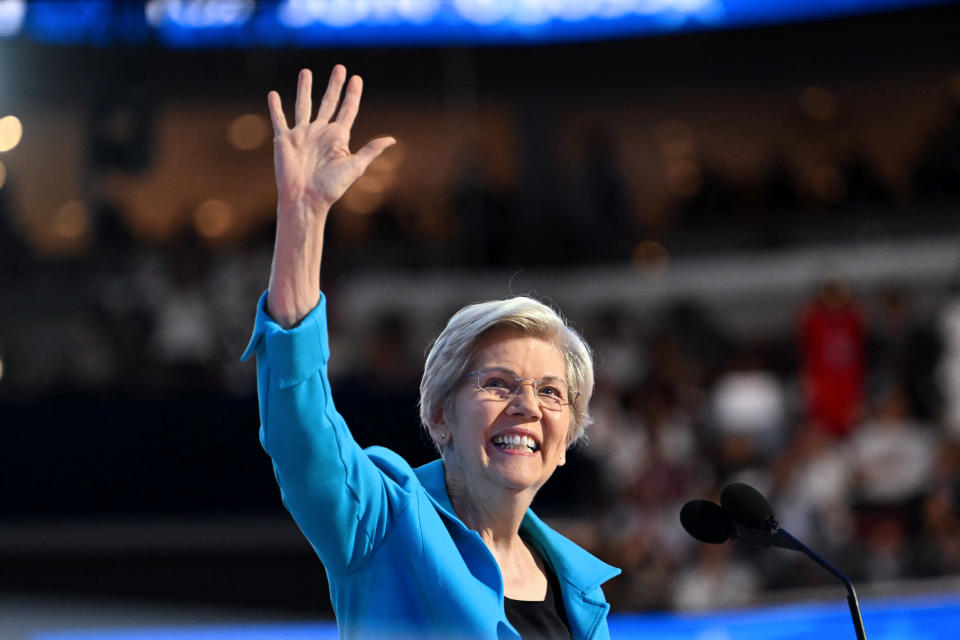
x,y
778,537
851,594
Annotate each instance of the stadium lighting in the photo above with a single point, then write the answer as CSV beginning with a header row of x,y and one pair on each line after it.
x,y
11,16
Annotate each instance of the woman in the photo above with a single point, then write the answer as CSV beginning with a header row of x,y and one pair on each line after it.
x,y
450,549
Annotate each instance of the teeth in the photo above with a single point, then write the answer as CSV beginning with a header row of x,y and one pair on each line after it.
x,y
515,441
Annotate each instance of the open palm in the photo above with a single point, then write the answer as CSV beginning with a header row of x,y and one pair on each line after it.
x,y
312,160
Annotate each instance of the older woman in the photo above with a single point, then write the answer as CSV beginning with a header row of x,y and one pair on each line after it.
x,y
450,549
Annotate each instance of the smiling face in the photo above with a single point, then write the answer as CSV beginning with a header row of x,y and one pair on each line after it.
x,y
486,443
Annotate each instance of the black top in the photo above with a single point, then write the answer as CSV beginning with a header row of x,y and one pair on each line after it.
x,y
546,620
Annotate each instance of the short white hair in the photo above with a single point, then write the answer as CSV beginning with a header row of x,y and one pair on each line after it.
x,y
451,352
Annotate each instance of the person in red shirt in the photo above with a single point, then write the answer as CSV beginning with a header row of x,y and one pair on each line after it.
x,y
833,354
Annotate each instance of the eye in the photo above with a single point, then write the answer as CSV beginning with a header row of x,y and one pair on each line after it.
x,y
494,382
549,390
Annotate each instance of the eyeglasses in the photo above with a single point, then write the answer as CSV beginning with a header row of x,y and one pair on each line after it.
x,y
503,384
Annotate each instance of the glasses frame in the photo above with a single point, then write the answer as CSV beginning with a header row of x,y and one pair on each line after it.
x,y
519,382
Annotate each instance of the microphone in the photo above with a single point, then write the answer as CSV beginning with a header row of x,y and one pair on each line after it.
x,y
707,521
753,519
747,506
744,514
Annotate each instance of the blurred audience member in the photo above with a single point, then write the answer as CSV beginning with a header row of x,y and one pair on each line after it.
x,y
891,458
891,455
832,335
748,418
183,337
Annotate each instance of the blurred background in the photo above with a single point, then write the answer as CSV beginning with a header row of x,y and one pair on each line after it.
x,y
749,209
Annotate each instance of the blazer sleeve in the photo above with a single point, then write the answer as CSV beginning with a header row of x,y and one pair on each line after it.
x,y
339,498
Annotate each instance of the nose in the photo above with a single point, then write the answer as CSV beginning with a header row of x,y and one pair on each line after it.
x,y
525,401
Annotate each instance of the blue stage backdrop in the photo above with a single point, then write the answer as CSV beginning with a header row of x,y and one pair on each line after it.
x,y
926,618
330,23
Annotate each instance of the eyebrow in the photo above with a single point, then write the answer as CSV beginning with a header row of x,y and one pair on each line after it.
x,y
517,375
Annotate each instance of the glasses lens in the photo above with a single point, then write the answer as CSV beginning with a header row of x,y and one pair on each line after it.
x,y
496,383
502,385
552,394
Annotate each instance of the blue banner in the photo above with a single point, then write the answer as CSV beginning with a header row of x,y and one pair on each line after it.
x,y
329,23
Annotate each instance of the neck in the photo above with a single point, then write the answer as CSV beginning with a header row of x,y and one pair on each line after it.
x,y
496,515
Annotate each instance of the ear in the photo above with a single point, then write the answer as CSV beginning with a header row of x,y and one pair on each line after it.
x,y
439,427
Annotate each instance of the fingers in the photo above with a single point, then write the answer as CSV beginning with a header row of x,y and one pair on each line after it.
x,y
328,104
303,106
276,113
332,95
371,151
351,102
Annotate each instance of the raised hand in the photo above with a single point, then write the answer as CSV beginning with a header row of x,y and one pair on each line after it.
x,y
314,167
312,161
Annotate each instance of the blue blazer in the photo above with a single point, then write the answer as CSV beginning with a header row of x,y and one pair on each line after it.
x,y
399,561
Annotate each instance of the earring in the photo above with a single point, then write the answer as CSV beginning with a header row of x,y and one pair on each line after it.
x,y
443,436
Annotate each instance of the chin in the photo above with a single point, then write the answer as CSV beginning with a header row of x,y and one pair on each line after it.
x,y
522,479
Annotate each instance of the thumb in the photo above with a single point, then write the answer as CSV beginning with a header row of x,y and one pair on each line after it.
x,y
371,151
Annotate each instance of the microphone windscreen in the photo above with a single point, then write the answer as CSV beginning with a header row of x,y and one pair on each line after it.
x,y
746,505
706,521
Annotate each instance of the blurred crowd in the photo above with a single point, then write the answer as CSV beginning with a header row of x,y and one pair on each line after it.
x,y
850,429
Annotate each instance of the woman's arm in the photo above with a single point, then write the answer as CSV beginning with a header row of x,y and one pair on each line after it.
x,y
335,492
313,167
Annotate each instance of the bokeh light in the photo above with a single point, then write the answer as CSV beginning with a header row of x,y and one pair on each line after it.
x,y
3,174
213,219
248,132
71,220
11,131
